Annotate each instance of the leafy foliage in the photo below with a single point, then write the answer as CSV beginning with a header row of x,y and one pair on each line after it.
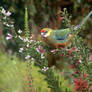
x,y
14,75
35,55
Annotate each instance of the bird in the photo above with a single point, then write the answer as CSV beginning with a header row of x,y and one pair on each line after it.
x,y
56,38
60,37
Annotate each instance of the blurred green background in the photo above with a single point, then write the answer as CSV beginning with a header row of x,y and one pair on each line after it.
x,y
42,13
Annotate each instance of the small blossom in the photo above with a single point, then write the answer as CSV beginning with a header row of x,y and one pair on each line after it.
x,y
32,59
21,50
27,45
87,58
3,11
20,37
44,51
80,61
39,49
53,51
25,39
27,57
76,27
19,31
45,68
8,13
77,62
42,56
31,40
7,25
9,37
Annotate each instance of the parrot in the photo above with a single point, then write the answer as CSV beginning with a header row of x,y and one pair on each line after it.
x,y
60,37
56,38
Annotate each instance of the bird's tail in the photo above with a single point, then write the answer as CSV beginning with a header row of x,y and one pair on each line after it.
x,y
83,22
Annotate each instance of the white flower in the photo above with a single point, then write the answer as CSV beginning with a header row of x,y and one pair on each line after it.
x,y
45,68
25,39
37,49
3,11
53,51
20,37
27,57
21,50
31,40
80,61
9,37
8,13
19,31
42,56
27,45
32,59
7,25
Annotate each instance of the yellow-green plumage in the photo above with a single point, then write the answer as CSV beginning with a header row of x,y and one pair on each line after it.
x,y
59,38
56,38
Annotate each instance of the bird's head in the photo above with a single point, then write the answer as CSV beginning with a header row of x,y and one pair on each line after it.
x,y
45,32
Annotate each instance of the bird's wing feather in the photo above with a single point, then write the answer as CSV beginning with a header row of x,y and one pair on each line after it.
x,y
62,32
61,36
54,38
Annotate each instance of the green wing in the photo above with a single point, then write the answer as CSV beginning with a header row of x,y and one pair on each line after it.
x,y
62,33
60,36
